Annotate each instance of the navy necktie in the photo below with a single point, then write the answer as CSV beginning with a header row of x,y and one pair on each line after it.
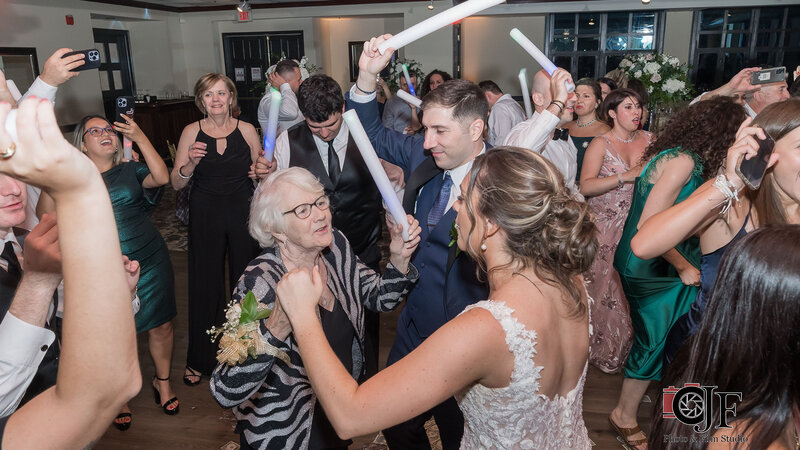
x,y
438,208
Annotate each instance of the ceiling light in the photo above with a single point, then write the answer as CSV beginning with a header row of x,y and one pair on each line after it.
x,y
430,6
244,6
645,2
591,21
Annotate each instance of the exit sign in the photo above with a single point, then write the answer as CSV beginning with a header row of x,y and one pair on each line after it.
x,y
244,16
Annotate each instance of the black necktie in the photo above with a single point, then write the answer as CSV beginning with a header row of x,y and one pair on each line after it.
x,y
14,268
560,133
333,164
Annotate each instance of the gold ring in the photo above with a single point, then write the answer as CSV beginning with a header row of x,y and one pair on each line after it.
x,y
9,152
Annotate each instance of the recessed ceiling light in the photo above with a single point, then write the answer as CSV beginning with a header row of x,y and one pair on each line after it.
x,y
430,5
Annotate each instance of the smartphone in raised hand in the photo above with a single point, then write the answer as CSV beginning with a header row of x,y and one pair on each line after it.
x,y
752,170
91,59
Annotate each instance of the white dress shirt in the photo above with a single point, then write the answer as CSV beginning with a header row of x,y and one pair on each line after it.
x,y
506,114
22,348
288,114
536,134
339,145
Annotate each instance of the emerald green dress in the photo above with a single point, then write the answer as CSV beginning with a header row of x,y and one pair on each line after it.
x,y
141,241
654,290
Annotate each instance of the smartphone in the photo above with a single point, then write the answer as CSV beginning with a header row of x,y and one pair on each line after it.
x,y
766,76
752,170
91,59
124,105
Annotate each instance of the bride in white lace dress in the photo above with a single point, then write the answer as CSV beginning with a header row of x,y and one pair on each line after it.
x,y
517,362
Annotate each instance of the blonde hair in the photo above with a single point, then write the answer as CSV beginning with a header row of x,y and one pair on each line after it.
x,y
80,130
266,211
546,229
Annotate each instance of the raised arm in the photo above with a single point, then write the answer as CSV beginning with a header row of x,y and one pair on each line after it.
x,y
187,157
159,175
462,352
96,376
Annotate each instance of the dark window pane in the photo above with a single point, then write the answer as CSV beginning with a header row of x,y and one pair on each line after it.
x,y
734,62
791,39
563,24
706,71
643,23
565,62
586,67
617,22
770,18
641,42
734,40
612,62
589,23
711,19
563,43
768,39
587,43
710,41
793,21
617,43
739,19
763,58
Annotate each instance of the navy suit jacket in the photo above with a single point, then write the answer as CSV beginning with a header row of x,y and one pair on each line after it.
x,y
446,285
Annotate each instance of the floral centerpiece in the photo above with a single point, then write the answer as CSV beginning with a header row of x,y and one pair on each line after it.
x,y
240,334
396,73
666,79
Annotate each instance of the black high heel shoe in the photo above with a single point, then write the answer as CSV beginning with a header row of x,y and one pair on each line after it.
x,y
166,406
192,373
120,423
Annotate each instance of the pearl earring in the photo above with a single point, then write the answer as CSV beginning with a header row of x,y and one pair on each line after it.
x,y
483,246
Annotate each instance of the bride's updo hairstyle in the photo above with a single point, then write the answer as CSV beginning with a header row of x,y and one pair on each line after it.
x,y
546,229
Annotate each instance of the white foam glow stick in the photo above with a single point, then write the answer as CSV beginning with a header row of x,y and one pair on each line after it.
x,y
272,123
127,149
376,169
441,20
12,88
408,80
409,98
537,54
526,95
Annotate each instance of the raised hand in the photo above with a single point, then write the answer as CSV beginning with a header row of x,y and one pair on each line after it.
x,y
401,251
196,152
41,156
746,146
261,168
130,129
276,80
57,70
371,62
299,292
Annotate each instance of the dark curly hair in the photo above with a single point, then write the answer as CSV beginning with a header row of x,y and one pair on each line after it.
x,y
546,229
318,97
706,129
426,83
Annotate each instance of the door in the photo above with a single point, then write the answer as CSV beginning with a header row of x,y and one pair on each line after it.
x,y
116,69
247,58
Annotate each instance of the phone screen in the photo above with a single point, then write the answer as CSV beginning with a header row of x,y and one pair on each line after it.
x,y
752,170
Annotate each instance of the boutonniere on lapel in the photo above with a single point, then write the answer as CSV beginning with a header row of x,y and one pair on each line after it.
x,y
454,237
240,333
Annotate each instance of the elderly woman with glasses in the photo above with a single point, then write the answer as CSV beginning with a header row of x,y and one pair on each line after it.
x,y
271,396
135,188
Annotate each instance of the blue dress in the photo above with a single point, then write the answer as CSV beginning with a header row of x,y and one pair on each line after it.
x,y
141,241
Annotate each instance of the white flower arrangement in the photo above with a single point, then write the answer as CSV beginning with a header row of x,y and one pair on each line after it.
x,y
664,77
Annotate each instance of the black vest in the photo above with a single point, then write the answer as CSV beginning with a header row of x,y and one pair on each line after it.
x,y
355,200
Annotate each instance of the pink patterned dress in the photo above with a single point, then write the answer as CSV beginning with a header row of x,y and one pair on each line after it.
x,y
611,319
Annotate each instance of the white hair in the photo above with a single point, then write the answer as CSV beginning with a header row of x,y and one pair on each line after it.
x,y
266,211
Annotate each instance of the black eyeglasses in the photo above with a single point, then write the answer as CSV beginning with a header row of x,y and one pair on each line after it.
x,y
98,131
303,210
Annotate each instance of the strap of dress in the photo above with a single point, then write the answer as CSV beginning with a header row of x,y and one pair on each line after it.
x,y
200,124
499,310
613,150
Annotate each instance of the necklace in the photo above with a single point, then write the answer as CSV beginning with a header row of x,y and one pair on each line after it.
x,y
531,281
582,125
625,141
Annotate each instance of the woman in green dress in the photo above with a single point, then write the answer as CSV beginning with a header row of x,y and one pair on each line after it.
x,y
660,290
135,188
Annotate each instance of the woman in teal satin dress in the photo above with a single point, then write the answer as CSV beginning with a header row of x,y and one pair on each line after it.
x,y
662,289
135,188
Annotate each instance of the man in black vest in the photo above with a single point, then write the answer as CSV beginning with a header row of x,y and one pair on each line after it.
x,y
322,145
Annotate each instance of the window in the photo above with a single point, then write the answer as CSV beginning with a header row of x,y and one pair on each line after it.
x,y
726,41
591,44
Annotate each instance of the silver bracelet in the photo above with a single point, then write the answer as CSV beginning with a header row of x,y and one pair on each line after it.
x,y
621,181
180,174
729,190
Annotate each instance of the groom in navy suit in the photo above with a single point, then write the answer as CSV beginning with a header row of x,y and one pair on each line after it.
x,y
455,116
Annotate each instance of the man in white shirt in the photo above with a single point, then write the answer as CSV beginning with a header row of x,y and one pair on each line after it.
x,y
554,108
287,79
504,112
753,97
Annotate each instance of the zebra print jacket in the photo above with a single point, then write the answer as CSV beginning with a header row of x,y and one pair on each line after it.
x,y
273,401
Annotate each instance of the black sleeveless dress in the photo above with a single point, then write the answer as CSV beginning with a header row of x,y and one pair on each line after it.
x,y
219,209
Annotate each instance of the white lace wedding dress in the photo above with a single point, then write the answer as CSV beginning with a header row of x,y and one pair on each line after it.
x,y
517,416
